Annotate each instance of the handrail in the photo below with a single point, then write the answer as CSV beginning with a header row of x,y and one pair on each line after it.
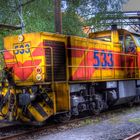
x,y
33,65
122,56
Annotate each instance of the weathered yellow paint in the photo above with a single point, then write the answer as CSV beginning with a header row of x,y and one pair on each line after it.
x,y
87,45
33,39
60,94
62,97
36,114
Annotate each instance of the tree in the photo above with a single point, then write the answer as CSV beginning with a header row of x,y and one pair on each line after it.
x,y
97,12
38,15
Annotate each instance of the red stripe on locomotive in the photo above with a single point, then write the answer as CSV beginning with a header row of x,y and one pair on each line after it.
x,y
24,70
39,51
94,60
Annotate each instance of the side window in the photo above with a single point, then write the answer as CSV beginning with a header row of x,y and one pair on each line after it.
x,y
130,46
137,39
104,38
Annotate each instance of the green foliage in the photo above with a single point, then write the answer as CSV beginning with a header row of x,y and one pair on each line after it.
x,y
38,15
72,23
8,12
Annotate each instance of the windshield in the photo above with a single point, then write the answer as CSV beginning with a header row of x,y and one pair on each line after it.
x,y
137,39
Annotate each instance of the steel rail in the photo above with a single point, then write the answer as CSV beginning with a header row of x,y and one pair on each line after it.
x,y
134,137
57,126
40,129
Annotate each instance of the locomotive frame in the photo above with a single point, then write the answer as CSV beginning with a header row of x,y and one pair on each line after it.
x,y
56,75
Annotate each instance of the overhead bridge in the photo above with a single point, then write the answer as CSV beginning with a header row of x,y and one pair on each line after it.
x,y
129,19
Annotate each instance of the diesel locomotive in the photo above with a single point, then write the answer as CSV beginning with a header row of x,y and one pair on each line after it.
x,y
47,74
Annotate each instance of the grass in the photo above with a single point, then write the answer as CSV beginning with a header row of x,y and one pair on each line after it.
x,y
114,116
134,120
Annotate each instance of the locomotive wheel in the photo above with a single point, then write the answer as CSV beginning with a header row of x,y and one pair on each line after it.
x,y
97,107
95,111
62,118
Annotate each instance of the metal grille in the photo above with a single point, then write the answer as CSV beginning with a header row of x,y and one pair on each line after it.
x,y
59,60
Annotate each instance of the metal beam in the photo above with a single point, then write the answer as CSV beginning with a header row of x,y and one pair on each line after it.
x,y
122,19
9,27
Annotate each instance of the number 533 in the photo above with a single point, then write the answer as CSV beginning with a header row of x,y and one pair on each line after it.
x,y
103,59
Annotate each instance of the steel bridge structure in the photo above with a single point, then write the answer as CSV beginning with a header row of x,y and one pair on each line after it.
x,y
129,20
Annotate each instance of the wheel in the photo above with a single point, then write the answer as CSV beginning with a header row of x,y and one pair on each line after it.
x,y
96,106
94,109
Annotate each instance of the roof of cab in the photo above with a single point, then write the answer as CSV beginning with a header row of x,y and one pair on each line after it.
x,y
108,32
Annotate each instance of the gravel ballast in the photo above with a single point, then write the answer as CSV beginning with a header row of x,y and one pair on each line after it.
x,y
118,127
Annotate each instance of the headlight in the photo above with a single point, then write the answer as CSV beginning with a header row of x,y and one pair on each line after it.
x,y
38,77
20,38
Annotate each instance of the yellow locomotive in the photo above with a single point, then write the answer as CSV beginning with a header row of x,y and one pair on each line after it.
x,y
48,74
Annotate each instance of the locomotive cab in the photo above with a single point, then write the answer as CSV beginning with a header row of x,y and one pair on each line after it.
x,y
127,45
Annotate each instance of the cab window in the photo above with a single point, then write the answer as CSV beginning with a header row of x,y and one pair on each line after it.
x,y
104,38
130,45
137,39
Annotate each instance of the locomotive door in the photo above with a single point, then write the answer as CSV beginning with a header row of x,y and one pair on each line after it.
x,y
130,56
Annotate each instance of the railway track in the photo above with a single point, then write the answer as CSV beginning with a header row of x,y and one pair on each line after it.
x,y
62,126
30,131
49,129
134,137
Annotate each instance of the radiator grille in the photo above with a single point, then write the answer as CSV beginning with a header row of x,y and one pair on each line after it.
x,y
59,60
